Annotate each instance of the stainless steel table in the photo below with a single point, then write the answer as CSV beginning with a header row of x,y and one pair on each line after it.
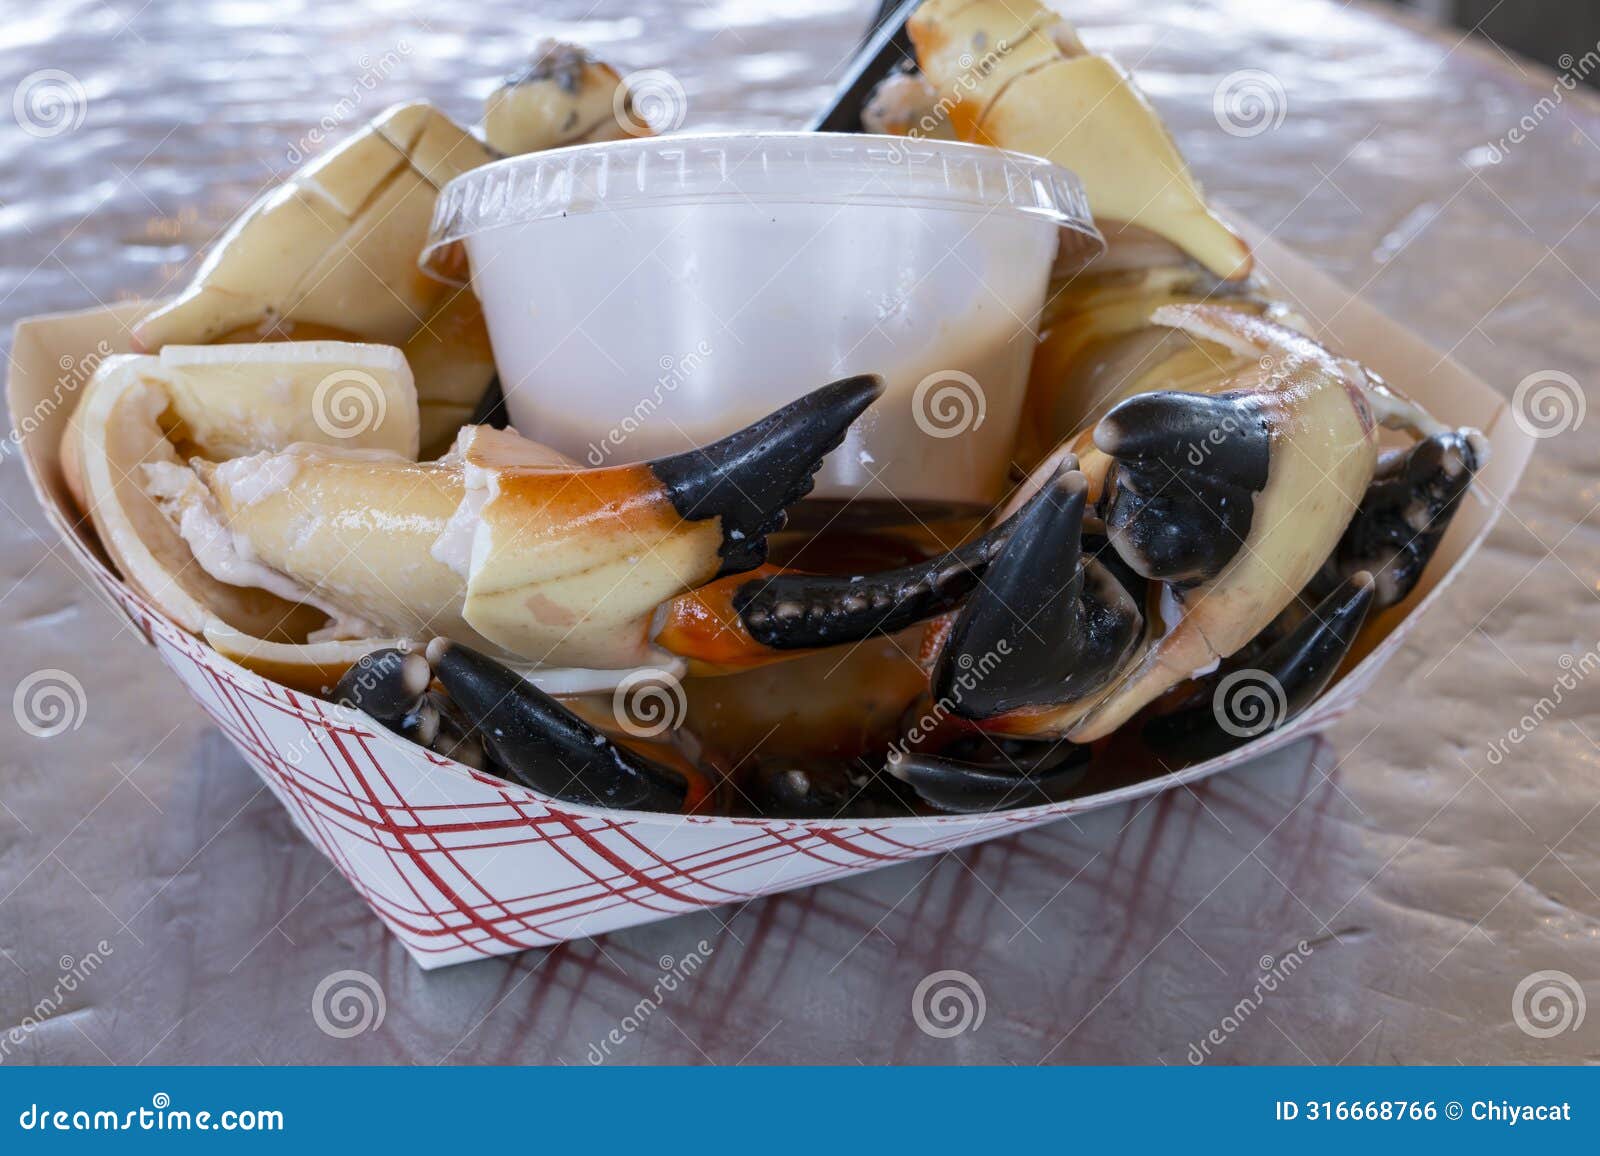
x,y
1426,876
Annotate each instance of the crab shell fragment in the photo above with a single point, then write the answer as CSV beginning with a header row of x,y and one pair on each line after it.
x,y
332,252
123,466
335,246
564,97
1013,74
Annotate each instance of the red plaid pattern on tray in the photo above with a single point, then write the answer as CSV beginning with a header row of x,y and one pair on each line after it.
x,y
460,865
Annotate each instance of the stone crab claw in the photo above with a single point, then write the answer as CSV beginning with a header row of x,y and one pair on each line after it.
x,y
1405,513
1252,698
774,613
537,742
1050,625
1229,492
509,546
1267,692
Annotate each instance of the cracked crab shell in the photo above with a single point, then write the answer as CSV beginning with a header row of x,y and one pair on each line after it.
x,y
219,401
1084,113
117,429
356,528
1325,445
232,400
970,51
1012,73
336,245
548,541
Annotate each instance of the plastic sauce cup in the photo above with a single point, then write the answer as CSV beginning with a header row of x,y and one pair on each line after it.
x,y
644,297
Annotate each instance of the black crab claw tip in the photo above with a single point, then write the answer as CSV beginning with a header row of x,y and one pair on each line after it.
x,y
387,684
1405,512
1045,627
1180,499
791,611
750,478
885,49
1283,680
967,788
537,742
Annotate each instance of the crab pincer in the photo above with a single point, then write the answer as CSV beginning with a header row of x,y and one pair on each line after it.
x,y
749,479
1049,626
1179,498
1010,777
1414,494
537,742
771,613
1276,686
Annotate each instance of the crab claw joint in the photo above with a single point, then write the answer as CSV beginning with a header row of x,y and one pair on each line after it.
x,y
540,744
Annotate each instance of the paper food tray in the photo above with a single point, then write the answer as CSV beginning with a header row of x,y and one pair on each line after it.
x,y
461,865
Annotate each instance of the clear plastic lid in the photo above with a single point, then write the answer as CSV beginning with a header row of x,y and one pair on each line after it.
x,y
743,168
